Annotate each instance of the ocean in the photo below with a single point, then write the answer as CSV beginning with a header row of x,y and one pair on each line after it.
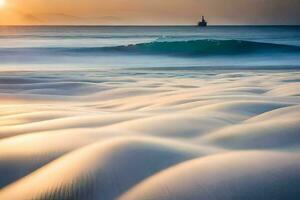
x,y
98,47
139,113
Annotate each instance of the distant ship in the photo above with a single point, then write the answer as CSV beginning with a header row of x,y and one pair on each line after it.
x,y
203,22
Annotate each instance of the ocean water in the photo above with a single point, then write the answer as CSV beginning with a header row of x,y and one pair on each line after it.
x,y
123,113
84,47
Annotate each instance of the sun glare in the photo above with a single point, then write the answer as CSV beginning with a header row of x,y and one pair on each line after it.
x,y
2,3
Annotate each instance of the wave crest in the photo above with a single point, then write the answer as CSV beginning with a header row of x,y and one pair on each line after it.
x,y
197,48
189,48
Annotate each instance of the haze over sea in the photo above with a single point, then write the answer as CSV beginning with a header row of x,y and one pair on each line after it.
x,y
150,113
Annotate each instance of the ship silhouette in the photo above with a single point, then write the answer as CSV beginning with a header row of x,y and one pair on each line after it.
x,y
203,22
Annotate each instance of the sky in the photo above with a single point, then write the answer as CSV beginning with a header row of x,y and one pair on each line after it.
x,y
148,12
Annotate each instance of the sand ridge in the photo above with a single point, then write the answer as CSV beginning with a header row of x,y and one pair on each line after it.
x,y
138,134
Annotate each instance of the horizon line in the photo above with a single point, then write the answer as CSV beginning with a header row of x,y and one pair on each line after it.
x,y
147,25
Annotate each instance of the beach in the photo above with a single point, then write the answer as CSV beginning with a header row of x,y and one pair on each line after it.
x,y
195,130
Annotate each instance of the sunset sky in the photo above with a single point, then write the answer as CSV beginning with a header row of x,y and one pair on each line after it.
x,y
149,12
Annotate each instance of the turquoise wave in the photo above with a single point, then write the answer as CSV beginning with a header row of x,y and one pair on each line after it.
x,y
191,48
196,48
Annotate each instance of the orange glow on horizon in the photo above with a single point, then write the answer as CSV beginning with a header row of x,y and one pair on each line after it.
x,y
143,12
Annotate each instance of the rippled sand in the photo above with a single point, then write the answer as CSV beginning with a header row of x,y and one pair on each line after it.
x,y
150,135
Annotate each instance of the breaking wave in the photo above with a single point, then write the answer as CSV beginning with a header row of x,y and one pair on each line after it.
x,y
190,48
194,48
